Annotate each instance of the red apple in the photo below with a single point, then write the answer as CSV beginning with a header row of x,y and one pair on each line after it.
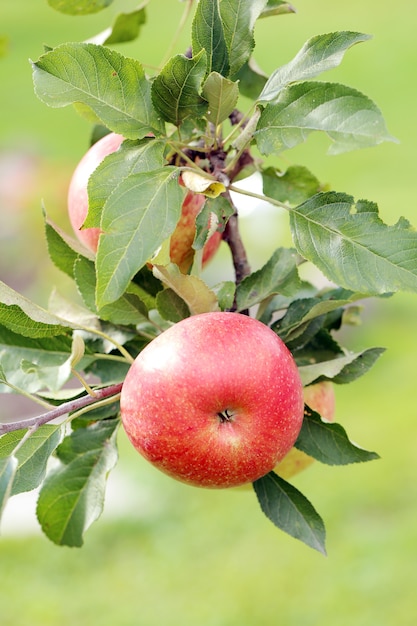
x,y
319,397
214,401
181,251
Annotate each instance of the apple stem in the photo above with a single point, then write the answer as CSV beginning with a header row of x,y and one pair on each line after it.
x,y
225,416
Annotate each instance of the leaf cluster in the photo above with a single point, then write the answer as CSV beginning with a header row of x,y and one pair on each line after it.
x,y
185,131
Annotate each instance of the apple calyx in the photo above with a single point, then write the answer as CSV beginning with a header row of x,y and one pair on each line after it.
x,y
225,416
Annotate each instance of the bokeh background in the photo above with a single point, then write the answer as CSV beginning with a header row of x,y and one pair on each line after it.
x,y
165,553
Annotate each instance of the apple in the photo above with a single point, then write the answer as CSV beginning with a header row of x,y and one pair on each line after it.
x,y
321,398
181,251
214,401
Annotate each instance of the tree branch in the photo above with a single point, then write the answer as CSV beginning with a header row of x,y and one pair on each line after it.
x,y
63,409
233,239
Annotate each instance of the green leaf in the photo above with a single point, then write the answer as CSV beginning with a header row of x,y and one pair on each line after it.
x,y
222,95
26,318
79,7
225,293
126,27
329,443
113,86
277,7
351,245
251,79
319,54
208,35
129,309
278,275
32,455
215,209
192,289
238,20
176,89
132,157
343,368
141,213
8,467
63,250
171,306
72,495
288,509
350,119
292,187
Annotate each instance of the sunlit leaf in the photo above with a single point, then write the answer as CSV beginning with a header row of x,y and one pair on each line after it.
x,y
126,27
350,119
194,291
79,7
113,86
352,246
288,509
141,213
319,54
343,368
277,7
222,95
208,35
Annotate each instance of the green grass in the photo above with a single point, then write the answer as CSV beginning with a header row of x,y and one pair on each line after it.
x,y
186,557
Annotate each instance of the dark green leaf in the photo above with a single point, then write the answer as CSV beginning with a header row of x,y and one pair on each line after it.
x,y
132,157
113,86
319,54
63,250
329,443
292,187
288,509
32,455
251,80
177,88
350,119
137,218
79,7
72,495
238,20
351,245
222,95
170,306
278,275
207,34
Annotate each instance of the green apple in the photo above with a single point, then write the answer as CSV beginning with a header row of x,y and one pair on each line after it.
x,y
214,401
181,251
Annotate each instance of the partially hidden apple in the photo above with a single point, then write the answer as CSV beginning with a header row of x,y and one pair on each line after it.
x,y
181,251
321,398
214,401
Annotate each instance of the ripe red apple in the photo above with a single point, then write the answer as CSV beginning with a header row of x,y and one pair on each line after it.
x,y
319,397
214,401
181,251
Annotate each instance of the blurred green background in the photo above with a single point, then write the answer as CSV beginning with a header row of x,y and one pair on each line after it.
x,y
165,553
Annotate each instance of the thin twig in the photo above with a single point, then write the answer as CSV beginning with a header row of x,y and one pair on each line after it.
x,y
63,409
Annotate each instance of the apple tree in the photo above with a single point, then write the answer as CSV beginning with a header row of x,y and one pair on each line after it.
x,y
194,128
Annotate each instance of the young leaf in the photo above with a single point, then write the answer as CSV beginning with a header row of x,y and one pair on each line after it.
x,y
292,187
342,368
238,19
132,157
194,291
349,118
79,7
222,95
141,213
288,509
113,86
329,443
278,275
351,245
319,54
176,89
207,34
72,495
32,455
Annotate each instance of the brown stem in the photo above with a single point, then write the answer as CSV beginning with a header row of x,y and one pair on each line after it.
x,y
63,409
233,239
